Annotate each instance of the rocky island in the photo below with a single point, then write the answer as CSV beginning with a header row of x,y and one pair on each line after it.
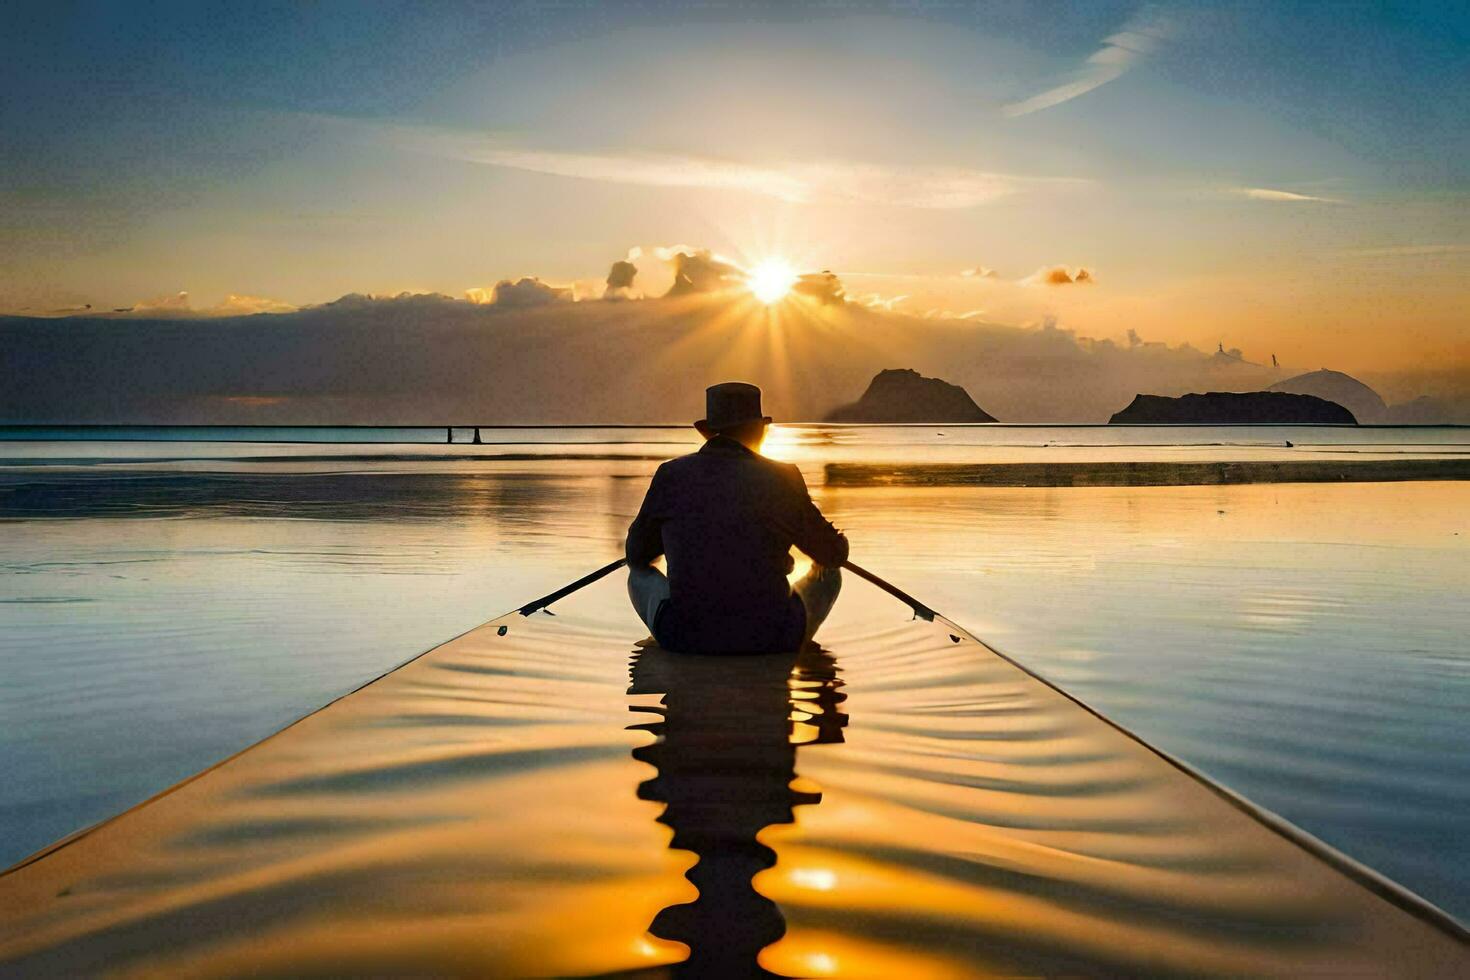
x,y
904,395
1233,408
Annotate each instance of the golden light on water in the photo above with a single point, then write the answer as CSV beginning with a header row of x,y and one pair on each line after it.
x,y
818,879
782,442
771,279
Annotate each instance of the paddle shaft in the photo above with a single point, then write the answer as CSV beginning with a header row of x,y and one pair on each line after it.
x,y
920,610
566,590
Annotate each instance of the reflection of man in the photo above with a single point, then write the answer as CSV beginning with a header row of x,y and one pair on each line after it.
x,y
727,517
724,762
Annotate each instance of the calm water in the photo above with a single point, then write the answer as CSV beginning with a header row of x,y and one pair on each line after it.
x,y
167,603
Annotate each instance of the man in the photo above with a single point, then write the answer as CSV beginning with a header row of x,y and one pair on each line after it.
x,y
727,517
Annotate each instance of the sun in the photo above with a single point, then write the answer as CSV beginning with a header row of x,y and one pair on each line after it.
x,y
770,280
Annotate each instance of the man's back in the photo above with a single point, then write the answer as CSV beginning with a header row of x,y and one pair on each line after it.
x,y
727,517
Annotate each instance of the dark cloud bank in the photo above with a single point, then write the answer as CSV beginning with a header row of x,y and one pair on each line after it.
x,y
532,356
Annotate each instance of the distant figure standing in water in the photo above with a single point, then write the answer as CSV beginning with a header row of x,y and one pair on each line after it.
x,y
726,517
477,435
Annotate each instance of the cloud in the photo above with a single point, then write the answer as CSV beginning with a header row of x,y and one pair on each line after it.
x,y
811,182
700,271
978,272
1120,52
822,286
1288,197
236,304
620,280
525,292
405,359
167,303
1059,275
179,304
942,314
876,301
423,302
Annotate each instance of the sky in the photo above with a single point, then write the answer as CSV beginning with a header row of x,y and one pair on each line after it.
x,y
1287,179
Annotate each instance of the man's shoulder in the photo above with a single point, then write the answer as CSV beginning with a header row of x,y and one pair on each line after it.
x,y
786,476
687,461
788,470
677,468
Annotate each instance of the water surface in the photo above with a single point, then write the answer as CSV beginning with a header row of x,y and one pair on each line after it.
x,y
166,603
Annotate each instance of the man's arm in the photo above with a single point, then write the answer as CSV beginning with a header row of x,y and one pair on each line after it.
x,y
812,532
645,540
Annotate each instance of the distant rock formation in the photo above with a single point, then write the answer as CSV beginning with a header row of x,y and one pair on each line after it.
x,y
904,395
1334,386
1232,408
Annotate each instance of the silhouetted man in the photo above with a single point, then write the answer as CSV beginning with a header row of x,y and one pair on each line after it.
x,y
727,517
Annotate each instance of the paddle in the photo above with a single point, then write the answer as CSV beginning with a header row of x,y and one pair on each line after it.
x,y
566,590
920,610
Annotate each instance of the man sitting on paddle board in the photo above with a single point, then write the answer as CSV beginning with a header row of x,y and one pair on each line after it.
x,y
727,517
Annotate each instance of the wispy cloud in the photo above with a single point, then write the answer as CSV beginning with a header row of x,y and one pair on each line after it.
x,y
1286,197
828,181
1120,52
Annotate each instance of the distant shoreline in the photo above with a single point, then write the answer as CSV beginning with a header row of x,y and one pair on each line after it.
x,y
42,431
1145,474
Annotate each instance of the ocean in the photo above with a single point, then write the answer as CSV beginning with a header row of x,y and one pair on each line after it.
x,y
171,595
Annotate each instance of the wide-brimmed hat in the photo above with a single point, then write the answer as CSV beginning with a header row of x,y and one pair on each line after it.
x,y
730,404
